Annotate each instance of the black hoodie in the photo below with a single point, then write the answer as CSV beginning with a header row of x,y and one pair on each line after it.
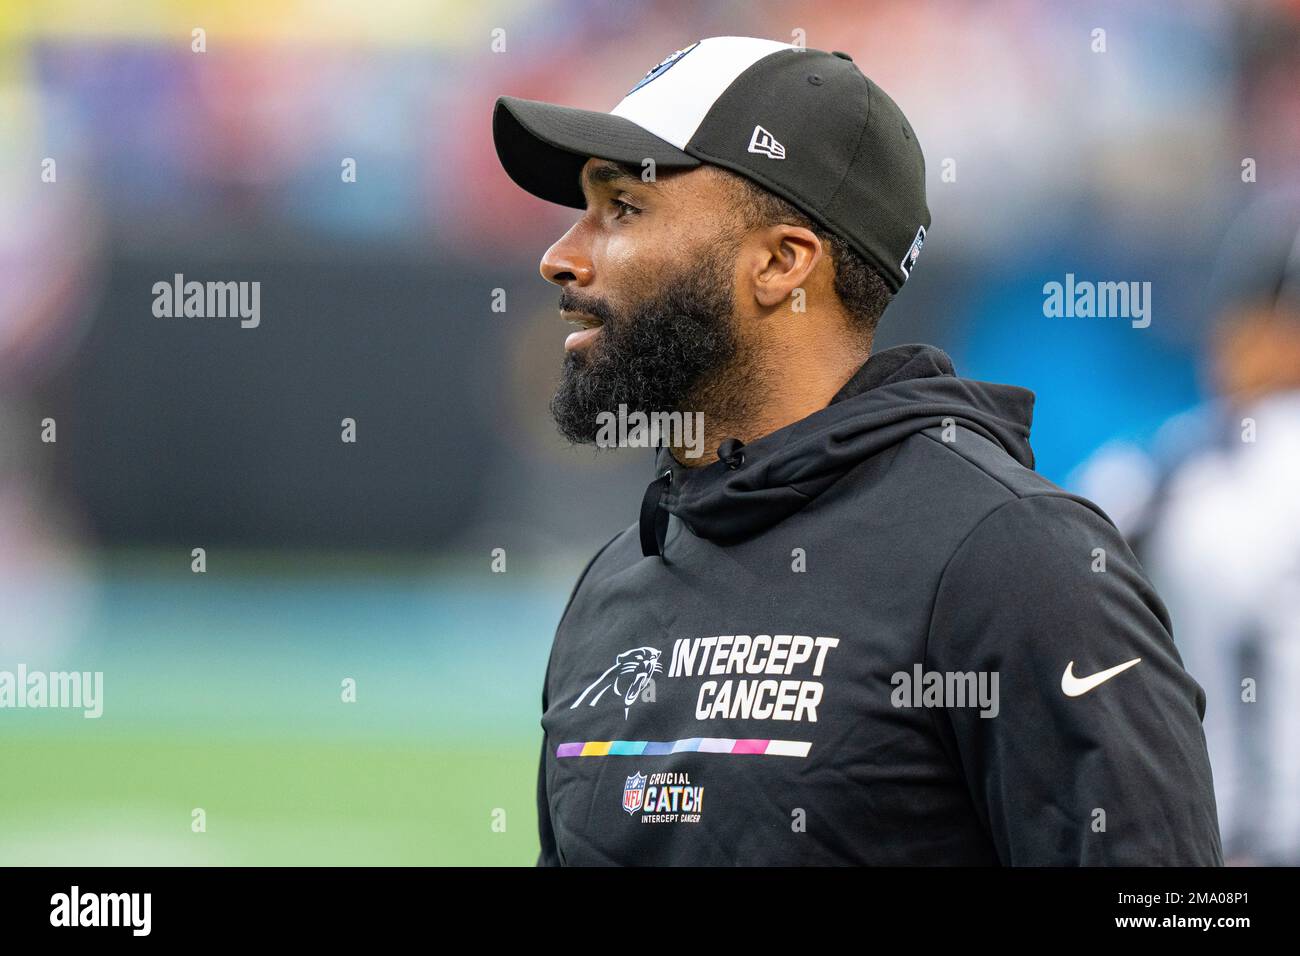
x,y
873,636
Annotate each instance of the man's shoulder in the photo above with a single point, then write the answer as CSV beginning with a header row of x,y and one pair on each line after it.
x,y
981,460
617,552
964,480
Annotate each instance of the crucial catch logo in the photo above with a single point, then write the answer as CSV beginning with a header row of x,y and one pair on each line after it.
x,y
663,798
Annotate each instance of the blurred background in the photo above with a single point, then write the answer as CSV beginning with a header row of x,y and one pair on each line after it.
x,y
373,560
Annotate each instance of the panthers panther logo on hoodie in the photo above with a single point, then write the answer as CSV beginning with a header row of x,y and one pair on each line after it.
x,y
628,676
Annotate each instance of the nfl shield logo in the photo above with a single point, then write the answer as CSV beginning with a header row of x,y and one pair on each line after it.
x,y
634,792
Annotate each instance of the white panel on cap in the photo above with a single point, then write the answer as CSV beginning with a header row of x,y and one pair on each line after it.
x,y
673,104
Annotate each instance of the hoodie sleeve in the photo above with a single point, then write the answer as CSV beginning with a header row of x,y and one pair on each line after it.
x,y
1076,767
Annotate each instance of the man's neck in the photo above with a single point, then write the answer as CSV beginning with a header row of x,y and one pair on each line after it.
x,y
772,401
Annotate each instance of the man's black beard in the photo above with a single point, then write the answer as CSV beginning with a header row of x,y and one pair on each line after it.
x,y
675,351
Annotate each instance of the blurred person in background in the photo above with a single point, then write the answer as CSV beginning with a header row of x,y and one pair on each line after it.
x,y
1211,509
1222,541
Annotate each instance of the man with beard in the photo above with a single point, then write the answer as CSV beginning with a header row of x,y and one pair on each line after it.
x,y
863,630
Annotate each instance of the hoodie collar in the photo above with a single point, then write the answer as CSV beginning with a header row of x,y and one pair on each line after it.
x,y
895,365
898,364
896,393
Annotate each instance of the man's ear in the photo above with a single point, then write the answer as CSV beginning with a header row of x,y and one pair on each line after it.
x,y
787,257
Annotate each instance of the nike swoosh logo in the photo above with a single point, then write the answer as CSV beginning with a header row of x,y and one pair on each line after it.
x,y
1078,686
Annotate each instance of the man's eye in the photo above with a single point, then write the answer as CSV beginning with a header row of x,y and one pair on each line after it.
x,y
624,208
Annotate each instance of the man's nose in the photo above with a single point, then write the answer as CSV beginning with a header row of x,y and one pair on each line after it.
x,y
566,263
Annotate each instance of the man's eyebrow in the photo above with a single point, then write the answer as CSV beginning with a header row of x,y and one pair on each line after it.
x,y
604,173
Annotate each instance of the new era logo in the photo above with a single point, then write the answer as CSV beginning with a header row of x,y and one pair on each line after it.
x,y
765,143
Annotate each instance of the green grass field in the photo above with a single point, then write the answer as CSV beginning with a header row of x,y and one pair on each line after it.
x,y
223,693
127,801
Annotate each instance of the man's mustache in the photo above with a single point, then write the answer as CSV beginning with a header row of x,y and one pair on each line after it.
x,y
572,302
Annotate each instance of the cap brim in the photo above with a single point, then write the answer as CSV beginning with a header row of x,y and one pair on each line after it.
x,y
543,146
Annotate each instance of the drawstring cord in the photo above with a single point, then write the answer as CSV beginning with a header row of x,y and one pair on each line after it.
x,y
654,516
730,453
653,524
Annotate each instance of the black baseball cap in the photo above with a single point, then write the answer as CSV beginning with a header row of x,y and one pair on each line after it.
x,y
804,124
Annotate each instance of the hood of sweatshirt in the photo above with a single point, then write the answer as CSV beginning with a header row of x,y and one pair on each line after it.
x,y
896,393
